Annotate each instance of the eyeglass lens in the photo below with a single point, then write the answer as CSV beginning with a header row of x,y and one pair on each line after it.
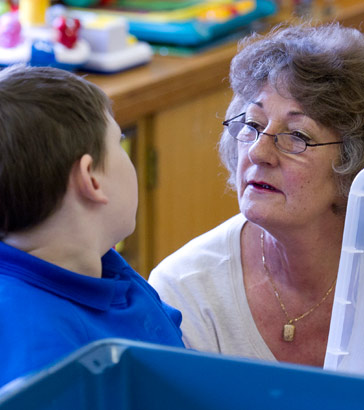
x,y
285,142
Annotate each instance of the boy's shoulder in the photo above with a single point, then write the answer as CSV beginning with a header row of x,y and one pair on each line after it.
x,y
42,321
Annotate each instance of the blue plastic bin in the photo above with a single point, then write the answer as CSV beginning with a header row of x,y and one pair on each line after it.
x,y
117,374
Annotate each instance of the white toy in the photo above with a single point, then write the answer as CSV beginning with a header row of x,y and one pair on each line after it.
x,y
112,47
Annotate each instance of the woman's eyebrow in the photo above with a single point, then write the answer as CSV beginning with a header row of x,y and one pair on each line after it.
x,y
296,113
293,113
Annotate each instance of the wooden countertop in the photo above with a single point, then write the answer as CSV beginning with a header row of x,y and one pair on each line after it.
x,y
167,80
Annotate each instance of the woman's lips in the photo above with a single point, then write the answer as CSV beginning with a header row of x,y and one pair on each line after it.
x,y
263,186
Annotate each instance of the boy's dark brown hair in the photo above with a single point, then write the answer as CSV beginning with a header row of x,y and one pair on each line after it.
x,y
49,118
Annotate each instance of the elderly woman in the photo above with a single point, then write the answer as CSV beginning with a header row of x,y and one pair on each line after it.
x,y
262,283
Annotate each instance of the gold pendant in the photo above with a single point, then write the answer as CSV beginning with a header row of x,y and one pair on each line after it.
x,y
288,332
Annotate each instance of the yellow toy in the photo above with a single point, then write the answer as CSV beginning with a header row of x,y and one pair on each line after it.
x,y
32,12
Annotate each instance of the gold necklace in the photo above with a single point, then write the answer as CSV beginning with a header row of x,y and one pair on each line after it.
x,y
289,328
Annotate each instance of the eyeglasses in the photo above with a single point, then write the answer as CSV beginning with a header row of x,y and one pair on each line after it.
x,y
285,142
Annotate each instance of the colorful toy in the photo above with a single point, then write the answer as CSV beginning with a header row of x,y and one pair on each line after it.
x,y
10,30
189,23
32,12
40,34
67,30
85,3
198,24
112,47
81,3
26,37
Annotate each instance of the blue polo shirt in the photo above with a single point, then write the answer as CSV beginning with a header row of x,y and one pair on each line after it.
x,y
46,312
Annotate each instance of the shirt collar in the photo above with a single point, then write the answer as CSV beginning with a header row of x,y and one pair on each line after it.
x,y
97,293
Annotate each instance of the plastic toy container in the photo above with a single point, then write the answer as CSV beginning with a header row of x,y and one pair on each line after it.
x,y
119,374
345,350
190,31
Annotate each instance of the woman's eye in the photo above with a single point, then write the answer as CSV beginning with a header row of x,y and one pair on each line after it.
x,y
300,135
255,125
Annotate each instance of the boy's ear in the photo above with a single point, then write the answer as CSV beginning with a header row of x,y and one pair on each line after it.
x,y
88,180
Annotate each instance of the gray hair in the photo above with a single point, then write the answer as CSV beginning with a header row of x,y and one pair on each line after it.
x,y
322,68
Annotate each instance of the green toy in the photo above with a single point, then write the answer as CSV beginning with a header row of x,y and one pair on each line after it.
x,y
156,5
81,3
148,5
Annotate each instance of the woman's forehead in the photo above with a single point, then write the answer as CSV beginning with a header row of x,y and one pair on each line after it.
x,y
269,97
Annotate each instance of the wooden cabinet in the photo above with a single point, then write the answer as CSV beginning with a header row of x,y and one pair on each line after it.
x,y
182,186
190,195
172,109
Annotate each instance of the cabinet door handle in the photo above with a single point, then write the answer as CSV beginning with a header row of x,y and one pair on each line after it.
x,y
152,168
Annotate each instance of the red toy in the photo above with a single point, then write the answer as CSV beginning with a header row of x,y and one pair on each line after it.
x,y
67,30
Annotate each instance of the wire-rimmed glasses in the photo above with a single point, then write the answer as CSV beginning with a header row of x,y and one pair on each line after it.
x,y
285,142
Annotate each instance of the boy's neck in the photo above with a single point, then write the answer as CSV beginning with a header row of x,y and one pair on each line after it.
x,y
84,262
73,237
65,251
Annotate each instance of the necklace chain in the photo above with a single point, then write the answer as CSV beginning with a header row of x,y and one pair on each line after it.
x,y
289,328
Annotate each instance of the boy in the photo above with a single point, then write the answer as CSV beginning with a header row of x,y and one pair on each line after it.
x,y
68,193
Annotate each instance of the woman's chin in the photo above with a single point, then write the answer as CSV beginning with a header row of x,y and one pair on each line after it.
x,y
252,215
262,217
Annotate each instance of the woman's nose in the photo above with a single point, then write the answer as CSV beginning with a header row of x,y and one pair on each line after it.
x,y
264,150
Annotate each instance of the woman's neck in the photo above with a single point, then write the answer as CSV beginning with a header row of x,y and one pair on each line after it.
x,y
305,260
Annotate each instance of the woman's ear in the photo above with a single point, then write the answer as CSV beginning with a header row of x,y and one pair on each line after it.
x,y
88,180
